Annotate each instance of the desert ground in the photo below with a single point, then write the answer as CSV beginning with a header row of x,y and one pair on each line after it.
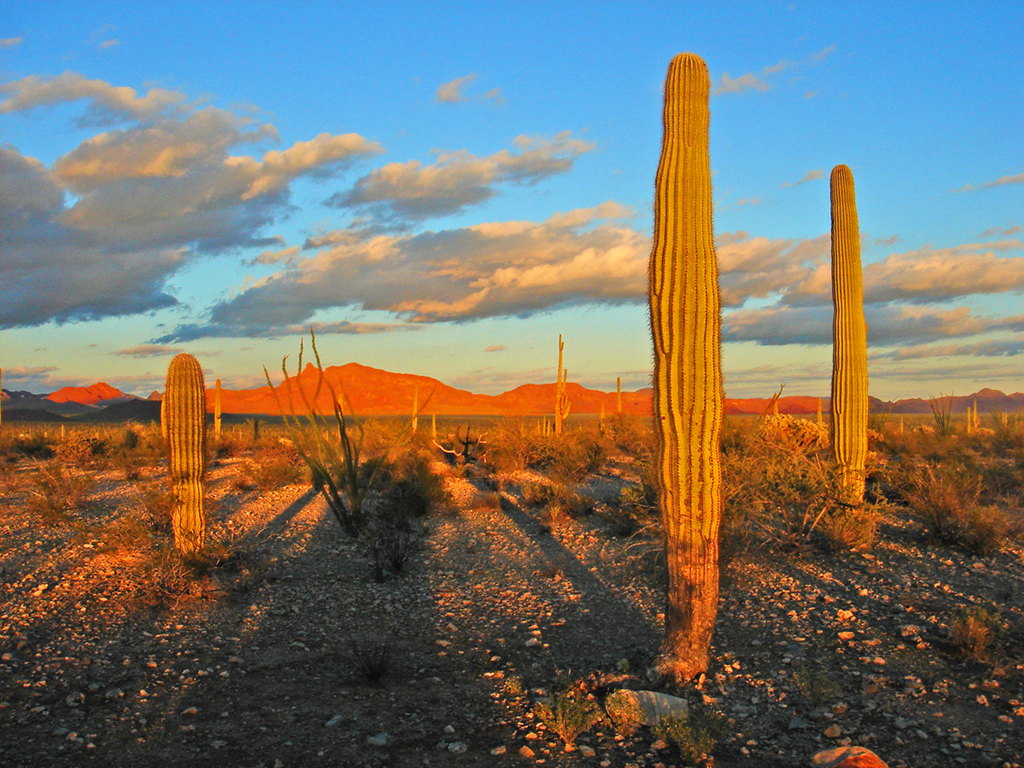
x,y
499,598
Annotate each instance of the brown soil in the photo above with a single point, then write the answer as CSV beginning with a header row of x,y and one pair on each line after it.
x,y
257,666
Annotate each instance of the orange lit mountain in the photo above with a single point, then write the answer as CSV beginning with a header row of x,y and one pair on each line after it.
x,y
94,395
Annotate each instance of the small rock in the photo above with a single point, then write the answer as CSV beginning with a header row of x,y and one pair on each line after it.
x,y
499,750
457,747
334,722
586,751
526,752
380,740
833,731
652,705
532,642
846,635
449,729
190,711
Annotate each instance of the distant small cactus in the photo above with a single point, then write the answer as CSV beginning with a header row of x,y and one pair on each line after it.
x,y
561,398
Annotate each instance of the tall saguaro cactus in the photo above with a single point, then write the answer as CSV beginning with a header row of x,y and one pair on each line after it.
x,y
685,325
561,398
849,342
183,415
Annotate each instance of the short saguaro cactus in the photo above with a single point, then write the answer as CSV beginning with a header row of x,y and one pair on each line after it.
x,y
183,416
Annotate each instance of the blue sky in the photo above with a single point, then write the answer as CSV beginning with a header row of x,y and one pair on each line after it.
x,y
443,188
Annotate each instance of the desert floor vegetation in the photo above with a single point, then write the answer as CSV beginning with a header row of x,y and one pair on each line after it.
x,y
494,604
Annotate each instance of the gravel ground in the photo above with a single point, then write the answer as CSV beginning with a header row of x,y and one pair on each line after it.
x,y
260,665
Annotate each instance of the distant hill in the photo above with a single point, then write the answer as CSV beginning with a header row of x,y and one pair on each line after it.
x,y
376,392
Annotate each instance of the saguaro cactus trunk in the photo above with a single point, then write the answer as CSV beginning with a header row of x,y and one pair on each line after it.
x,y
849,342
216,412
561,398
685,325
183,416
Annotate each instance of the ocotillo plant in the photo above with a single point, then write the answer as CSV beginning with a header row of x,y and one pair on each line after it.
x,y
685,325
216,413
183,416
561,398
849,342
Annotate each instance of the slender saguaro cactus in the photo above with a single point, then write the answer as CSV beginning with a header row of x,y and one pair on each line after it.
x,y
415,408
685,325
561,398
216,413
183,415
618,394
849,342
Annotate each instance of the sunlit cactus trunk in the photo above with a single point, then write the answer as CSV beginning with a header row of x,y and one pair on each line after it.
x,y
216,412
685,325
849,343
183,417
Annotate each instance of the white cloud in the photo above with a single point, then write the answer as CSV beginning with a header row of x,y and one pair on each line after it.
x,y
760,82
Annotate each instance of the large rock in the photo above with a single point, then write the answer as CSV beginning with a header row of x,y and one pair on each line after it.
x,y
848,757
651,706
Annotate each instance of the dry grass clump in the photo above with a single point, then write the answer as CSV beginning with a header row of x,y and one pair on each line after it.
x,y
55,491
694,734
371,658
974,632
623,712
846,529
271,467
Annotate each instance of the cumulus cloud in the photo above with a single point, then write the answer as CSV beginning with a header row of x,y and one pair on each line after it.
x,y
106,101
809,176
757,267
401,194
486,270
149,350
451,92
192,332
149,198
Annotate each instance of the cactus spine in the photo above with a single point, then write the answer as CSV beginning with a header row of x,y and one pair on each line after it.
x,y
216,413
685,326
849,342
183,416
561,398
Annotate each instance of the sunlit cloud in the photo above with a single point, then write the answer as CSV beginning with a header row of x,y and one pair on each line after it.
x,y
148,350
1001,232
451,92
112,43
10,42
496,348
105,100
256,330
761,81
809,176
407,192
1017,178
990,348
495,269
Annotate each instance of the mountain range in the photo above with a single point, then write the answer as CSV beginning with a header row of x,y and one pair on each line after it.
x,y
375,392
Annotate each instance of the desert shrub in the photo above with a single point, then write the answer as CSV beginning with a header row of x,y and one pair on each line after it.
x,y
570,711
156,505
393,541
631,434
410,482
80,448
574,455
229,445
56,491
514,445
623,712
817,686
694,733
947,499
32,446
371,658
974,632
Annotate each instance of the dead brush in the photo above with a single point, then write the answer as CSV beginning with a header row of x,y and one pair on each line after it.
x,y
272,467
55,492
371,657
947,499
